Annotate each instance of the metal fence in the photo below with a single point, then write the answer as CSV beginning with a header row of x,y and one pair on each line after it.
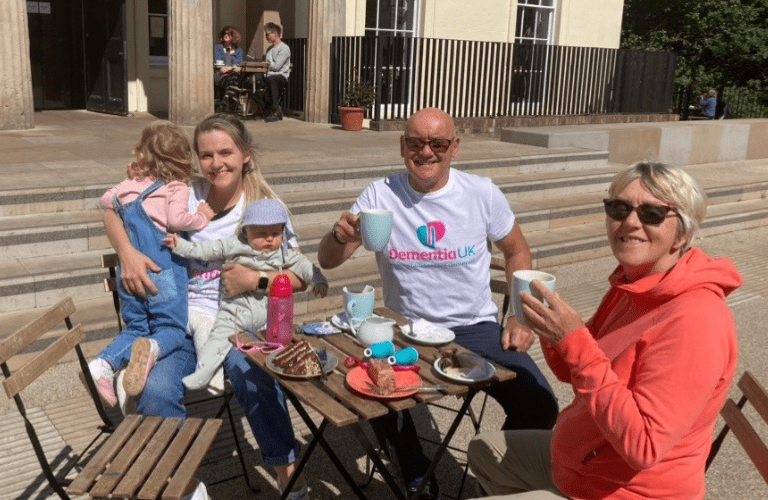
x,y
487,79
294,93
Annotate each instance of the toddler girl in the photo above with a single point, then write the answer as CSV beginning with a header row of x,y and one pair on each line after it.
x,y
151,202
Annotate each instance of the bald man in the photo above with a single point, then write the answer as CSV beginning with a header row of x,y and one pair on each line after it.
x,y
436,266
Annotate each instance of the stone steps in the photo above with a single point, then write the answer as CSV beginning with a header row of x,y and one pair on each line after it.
x,y
51,255
52,239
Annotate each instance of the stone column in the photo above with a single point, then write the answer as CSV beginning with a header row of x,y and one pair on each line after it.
x,y
326,19
16,102
190,61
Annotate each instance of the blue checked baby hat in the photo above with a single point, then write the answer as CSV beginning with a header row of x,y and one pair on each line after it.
x,y
265,213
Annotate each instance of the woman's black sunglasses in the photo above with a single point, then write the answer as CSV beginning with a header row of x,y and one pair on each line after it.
x,y
648,214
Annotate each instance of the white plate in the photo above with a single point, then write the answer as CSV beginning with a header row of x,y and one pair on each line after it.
x,y
428,333
481,371
328,360
341,320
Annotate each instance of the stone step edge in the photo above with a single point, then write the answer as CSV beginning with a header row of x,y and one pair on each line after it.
x,y
544,249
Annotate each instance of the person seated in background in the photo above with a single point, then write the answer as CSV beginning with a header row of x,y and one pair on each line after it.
x,y
279,58
650,371
708,103
227,57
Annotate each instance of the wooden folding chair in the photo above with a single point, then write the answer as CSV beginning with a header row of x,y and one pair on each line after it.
x,y
735,420
27,372
148,458
109,262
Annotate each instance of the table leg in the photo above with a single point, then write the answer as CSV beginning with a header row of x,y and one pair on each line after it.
x,y
377,462
446,441
318,438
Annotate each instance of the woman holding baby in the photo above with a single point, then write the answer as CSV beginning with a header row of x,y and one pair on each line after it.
x,y
230,180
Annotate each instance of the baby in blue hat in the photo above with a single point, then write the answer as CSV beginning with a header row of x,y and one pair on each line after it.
x,y
258,246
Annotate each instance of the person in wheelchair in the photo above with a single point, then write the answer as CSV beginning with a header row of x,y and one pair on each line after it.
x,y
279,58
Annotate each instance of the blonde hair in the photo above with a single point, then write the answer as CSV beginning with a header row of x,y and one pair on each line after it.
x,y
672,185
164,152
254,184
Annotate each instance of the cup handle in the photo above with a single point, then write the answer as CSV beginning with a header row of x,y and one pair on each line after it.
x,y
350,308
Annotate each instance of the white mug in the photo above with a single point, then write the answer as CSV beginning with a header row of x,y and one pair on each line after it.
x,y
521,282
375,228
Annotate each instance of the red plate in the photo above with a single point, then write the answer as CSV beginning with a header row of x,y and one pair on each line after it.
x,y
358,379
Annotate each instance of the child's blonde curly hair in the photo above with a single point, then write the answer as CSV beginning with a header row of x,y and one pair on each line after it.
x,y
164,152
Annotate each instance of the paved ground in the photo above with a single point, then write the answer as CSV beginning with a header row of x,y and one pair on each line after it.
x,y
74,147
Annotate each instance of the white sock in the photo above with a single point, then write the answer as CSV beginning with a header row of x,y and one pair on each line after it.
x,y
101,368
154,348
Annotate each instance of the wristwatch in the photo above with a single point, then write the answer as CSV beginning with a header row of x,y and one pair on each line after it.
x,y
263,281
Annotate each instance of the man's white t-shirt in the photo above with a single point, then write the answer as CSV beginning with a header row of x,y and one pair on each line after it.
x,y
204,277
436,264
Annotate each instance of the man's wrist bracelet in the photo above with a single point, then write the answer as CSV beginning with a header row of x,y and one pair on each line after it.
x,y
334,235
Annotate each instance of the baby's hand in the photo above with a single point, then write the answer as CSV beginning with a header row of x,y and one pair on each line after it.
x,y
205,209
320,290
171,240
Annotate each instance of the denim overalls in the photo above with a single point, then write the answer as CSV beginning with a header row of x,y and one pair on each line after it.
x,y
163,317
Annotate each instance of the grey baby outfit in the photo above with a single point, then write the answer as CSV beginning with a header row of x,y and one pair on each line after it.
x,y
246,312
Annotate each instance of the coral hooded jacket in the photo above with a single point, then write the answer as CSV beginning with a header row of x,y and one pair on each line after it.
x,y
650,372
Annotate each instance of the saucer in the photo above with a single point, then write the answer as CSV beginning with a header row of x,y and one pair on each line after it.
x,y
480,371
341,320
428,333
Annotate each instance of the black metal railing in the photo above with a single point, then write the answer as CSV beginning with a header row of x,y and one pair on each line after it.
x,y
294,93
486,79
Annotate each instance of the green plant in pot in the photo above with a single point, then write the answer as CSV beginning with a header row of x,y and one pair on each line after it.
x,y
359,96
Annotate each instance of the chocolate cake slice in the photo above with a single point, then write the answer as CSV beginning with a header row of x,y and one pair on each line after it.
x,y
382,375
299,359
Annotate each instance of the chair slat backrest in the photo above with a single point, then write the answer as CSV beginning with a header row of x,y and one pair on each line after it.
x,y
745,432
35,329
36,366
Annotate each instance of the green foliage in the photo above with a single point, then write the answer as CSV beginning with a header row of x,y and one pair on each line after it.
x,y
359,94
719,42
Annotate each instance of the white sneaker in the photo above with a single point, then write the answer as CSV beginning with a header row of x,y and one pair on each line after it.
x,y
302,494
200,492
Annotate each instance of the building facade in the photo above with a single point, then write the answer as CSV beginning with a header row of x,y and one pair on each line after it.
x,y
128,56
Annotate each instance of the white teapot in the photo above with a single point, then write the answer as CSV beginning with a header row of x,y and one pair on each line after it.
x,y
375,329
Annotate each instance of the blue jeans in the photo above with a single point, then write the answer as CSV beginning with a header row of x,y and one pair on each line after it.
x,y
265,408
527,399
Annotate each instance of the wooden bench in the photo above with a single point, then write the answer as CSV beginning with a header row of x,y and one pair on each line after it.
x,y
182,463
744,431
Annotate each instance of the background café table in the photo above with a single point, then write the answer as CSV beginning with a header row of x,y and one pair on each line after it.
x,y
341,406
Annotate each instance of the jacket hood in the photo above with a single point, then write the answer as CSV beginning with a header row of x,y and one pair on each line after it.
x,y
694,270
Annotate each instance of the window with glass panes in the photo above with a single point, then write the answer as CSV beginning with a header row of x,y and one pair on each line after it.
x,y
391,17
158,32
535,19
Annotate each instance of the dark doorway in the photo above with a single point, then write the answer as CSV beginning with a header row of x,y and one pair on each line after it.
x,y
56,54
105,56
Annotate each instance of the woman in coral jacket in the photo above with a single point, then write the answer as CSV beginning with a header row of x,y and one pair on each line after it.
x,y
650,371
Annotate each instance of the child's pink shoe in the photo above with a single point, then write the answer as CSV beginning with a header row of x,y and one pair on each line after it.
x,y
142,361
105,383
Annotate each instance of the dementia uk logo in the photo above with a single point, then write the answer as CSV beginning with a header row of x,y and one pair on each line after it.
x,y
429,235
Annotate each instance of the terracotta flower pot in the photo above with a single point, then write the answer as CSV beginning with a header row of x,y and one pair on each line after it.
x,y
351,118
